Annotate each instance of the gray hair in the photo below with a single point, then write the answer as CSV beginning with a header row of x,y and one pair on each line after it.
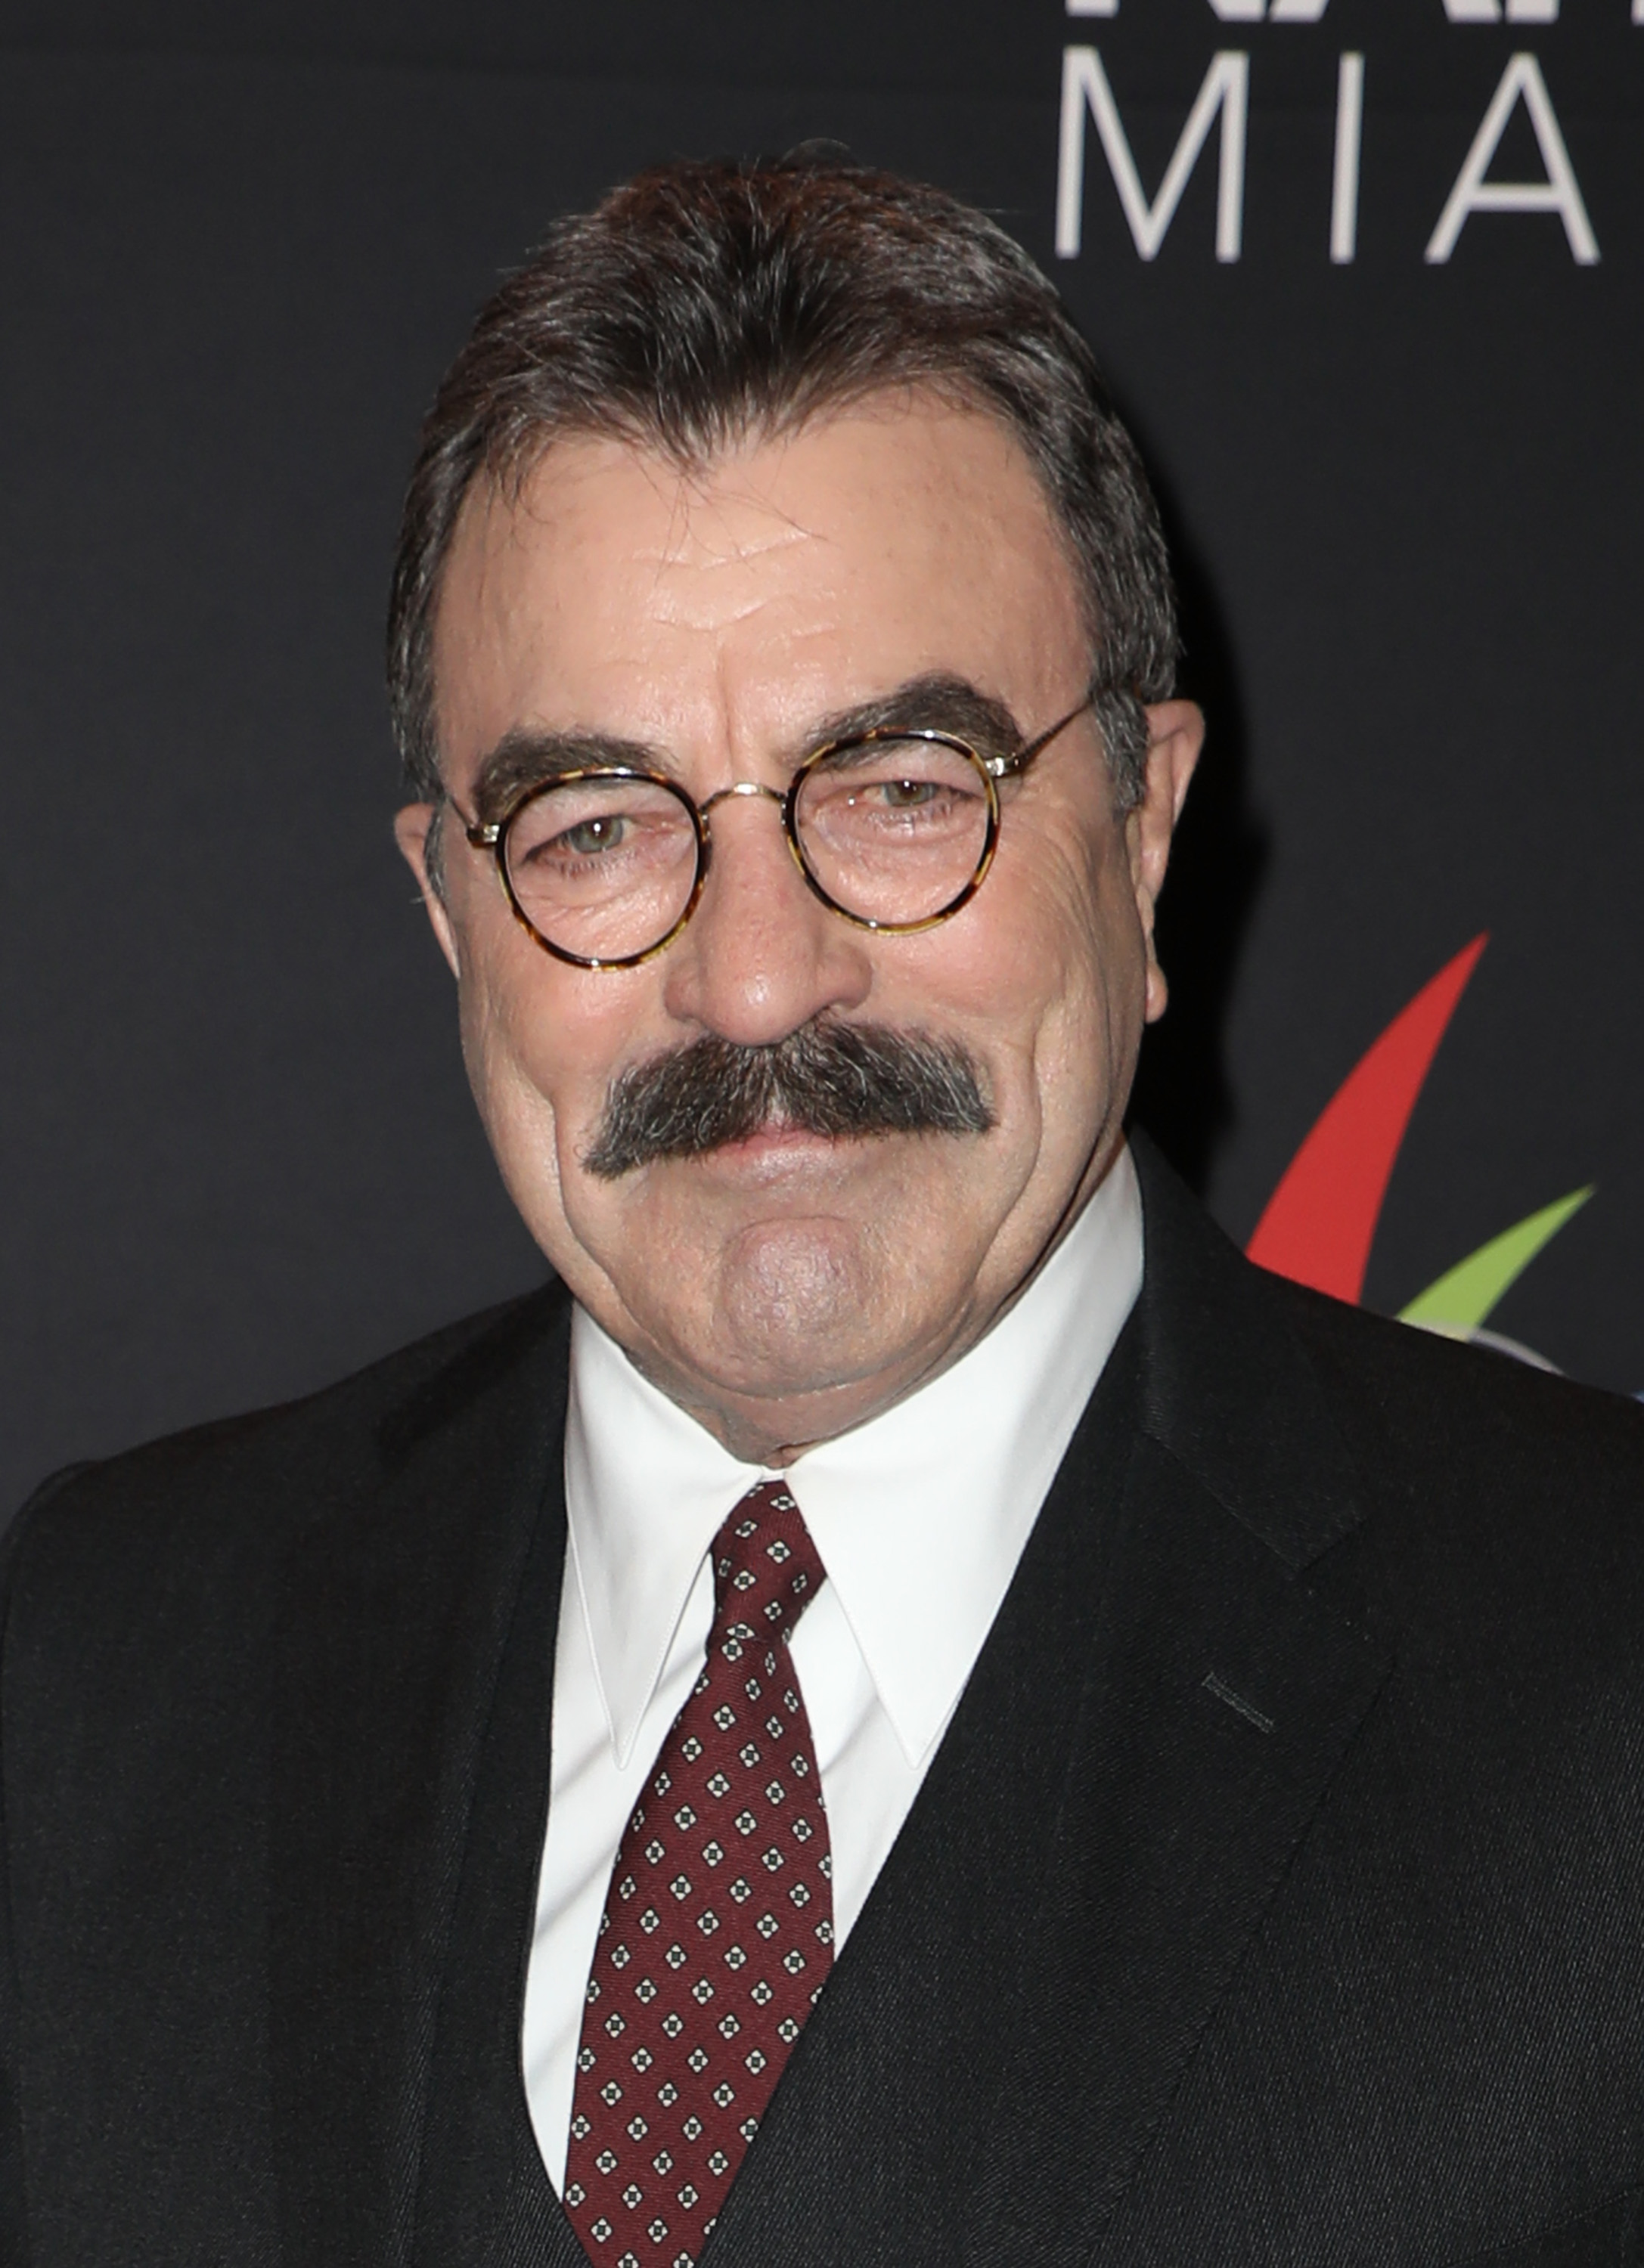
x,y
707,300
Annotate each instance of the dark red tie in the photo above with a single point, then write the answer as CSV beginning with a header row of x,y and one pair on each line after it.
x,y
718,1930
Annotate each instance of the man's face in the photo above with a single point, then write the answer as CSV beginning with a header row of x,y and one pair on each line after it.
x,y
787,1284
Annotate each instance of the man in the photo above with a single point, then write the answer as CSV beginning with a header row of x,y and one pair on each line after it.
x,y
918,1709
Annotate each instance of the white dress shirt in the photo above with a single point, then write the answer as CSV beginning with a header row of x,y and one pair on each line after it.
x,y
919,1517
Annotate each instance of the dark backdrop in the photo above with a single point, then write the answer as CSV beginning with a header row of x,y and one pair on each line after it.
x,y
236,248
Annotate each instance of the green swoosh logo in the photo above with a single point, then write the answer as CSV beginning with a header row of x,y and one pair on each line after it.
x,y
1464,1297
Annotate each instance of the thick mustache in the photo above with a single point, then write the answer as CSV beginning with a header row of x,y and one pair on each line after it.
x,y
827,1078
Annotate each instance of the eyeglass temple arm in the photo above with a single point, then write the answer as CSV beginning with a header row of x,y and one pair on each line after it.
x,y
1011,767
483,836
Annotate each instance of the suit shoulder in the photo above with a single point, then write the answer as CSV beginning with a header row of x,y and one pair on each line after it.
x,y
1313,1420
238,1488
1438,1400
1503,1536
1230,1322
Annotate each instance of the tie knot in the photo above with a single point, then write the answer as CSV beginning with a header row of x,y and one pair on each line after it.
x,y
766,1571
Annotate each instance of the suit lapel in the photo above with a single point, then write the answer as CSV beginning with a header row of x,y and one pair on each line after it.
x,y
485,2198
398,1605
1218,1704
1221,1692
1147,1734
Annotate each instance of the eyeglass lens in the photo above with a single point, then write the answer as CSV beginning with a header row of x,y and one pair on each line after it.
x,y
602,868
892,831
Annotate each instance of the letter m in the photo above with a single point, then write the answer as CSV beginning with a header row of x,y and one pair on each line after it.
x,y
1226,91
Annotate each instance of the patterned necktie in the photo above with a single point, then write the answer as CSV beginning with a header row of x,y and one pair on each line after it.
x,y
718,1929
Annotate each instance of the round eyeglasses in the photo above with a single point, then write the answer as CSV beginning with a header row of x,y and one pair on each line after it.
x,y
893,829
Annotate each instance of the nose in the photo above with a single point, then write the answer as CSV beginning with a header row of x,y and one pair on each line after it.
x,y
760,955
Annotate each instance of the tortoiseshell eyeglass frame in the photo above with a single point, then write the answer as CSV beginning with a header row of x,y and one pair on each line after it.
x,y
493,835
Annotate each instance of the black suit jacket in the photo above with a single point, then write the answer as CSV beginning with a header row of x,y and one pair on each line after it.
x,y
1277,1894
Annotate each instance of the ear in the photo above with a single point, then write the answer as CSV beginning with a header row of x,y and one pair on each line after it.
x,y
413,831
1176,733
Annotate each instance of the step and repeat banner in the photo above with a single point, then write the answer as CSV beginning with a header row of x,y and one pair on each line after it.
x,y
1368,278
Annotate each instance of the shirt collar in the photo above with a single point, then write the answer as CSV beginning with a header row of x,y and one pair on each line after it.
x,y
919,1516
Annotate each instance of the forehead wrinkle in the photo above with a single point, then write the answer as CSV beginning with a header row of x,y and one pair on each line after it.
x,y
715,517
708,494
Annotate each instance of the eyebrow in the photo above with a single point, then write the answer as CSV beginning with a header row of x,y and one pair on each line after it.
x,y
524,759
937,702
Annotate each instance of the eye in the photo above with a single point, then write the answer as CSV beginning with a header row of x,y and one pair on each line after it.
x,y
590,836
909,794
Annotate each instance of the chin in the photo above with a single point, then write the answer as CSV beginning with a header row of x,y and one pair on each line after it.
x,y
784,1283
790,1290
798,1307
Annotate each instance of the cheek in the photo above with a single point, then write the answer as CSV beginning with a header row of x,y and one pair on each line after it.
x,y
1028,954
1046,978
543,1041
